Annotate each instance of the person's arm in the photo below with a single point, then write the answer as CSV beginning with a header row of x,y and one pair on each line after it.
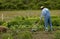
x,y
41,15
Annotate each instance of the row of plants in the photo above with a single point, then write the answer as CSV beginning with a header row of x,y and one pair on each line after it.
x,y
29,21
20,27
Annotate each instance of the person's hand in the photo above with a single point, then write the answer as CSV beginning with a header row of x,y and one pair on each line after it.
x,y
40,18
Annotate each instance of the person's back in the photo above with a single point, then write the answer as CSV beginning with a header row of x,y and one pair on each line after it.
x,y
46,12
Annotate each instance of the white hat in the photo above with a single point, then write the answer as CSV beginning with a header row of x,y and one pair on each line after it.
x,y
42,7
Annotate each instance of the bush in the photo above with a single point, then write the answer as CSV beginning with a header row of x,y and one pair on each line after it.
x,y
28,4
56,22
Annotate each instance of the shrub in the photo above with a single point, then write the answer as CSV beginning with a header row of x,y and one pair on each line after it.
x,y
56,22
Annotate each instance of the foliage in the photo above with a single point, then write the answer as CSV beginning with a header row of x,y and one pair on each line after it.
x,y
13,34
1,22
20,27
56,22
28,4
29,21
57,35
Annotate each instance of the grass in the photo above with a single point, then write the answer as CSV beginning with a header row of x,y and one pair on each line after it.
x,y
8,15
27,12
11,14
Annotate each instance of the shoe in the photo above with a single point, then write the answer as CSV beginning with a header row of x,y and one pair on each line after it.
x,y
46,29
33,30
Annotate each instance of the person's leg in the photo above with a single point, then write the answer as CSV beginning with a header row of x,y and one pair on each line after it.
x,y
50,23
46,24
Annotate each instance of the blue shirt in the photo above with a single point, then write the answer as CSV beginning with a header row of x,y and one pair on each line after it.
x,y
45,13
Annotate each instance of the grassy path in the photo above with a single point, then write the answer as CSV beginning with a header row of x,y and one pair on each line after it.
x,y
43,35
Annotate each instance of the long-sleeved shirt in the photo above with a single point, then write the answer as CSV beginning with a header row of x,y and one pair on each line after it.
x,y
45,13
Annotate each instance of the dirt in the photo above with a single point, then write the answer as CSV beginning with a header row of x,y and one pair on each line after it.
x,y
43,35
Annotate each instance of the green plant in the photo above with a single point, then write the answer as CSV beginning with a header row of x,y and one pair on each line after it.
x,y
57,35
56,22
6,36
1,22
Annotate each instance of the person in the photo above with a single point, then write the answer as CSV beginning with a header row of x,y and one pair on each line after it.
x,y
46,14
